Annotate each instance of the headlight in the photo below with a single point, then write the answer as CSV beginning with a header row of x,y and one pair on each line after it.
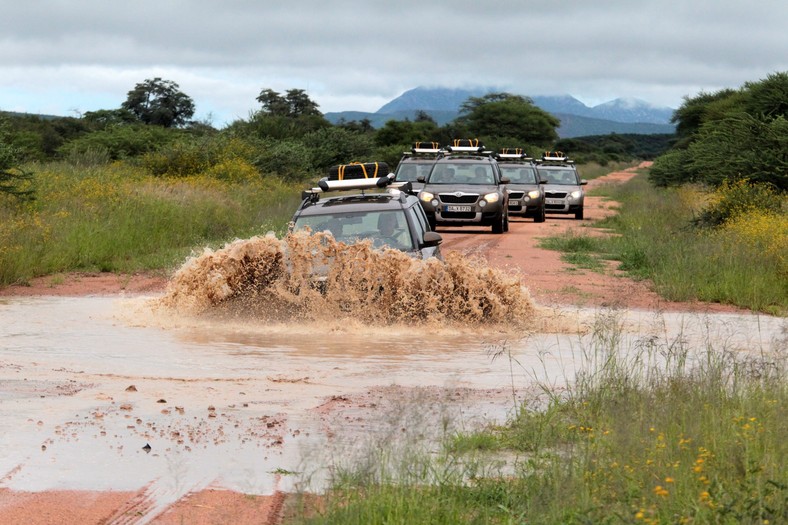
x,y
492,197
426,196
533,194
576,194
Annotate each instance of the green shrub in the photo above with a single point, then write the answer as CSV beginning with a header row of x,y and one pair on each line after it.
x,y
738,198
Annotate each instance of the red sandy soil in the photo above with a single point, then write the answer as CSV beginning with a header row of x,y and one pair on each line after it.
x,y
551,282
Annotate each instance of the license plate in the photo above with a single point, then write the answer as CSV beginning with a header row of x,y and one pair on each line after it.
x,y
554,201
450,207
514,203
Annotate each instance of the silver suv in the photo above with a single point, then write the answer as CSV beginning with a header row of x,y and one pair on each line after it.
x,y
563,186
526,190
465,188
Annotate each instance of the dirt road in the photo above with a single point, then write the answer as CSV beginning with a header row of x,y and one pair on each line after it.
x,y
550,281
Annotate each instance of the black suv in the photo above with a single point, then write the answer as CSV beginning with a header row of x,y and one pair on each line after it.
x,y
371,207
526,193
465,188
563,185
417,163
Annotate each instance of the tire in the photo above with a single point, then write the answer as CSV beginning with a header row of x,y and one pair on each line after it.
x,y
506,222
539,216
579,214
498,226
432,222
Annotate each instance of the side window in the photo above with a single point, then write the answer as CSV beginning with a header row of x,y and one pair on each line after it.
x,y
416,214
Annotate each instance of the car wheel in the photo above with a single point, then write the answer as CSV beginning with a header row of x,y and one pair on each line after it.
x,y
432,222
506,222
498,226
539,215
579,214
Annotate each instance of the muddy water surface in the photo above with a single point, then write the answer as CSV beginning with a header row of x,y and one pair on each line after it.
x,y
210,385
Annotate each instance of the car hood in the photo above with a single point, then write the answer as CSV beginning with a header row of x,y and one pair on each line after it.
x,y
481,189
522,187
568,188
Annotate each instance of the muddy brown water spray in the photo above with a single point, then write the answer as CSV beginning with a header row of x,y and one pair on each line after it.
x,y
273,279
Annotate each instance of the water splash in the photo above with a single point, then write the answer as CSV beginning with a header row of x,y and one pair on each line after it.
x,y
272,279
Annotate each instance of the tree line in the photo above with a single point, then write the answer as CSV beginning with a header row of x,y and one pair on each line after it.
x,y
286,136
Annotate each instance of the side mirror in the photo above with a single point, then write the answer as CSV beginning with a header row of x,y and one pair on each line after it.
x,y
431,239
504,180
583,182
421,178
542,181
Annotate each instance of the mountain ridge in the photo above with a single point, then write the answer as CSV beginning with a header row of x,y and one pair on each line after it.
x,y
621,115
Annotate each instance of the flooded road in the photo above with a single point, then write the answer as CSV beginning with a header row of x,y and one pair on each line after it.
x,y
87,384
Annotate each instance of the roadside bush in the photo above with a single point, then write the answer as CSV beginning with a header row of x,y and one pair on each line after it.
x,y
191,156
670,169
331,146
288,159
739,198
120,142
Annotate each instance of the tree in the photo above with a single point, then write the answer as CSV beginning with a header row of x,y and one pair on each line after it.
x,y
694,111
513,117
11,175
273,103
295,104
159,102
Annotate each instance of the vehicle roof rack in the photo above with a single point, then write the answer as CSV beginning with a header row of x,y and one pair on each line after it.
x,y
426,147
554,158
513,154
465,146
325,185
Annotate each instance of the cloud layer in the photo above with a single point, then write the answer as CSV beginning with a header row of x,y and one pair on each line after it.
x,y
67,57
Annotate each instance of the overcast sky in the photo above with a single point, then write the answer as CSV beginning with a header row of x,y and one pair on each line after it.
x,y
66,57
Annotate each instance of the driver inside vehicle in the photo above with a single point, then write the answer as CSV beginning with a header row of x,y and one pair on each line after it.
x,y
390,233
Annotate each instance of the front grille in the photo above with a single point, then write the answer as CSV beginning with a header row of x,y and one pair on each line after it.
x,y
554,206
555,194
516,194
450,198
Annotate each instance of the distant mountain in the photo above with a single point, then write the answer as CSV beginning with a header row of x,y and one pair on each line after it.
x,y
632,110
432,99
577,119
577,126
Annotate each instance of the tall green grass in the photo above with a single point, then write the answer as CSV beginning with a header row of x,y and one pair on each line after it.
x,y
116,218
656,240
654,432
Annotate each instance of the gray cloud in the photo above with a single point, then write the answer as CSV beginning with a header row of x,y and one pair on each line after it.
x,y
57,56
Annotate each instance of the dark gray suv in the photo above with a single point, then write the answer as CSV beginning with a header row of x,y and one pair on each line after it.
x,y
465,188
372,208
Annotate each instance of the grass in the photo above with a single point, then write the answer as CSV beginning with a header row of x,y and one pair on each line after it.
x,y
655,432
742,263
116,218
580,251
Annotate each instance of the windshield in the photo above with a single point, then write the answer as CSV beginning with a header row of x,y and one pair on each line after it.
x,y
411,171
383,228
461,173
519,174
559,176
